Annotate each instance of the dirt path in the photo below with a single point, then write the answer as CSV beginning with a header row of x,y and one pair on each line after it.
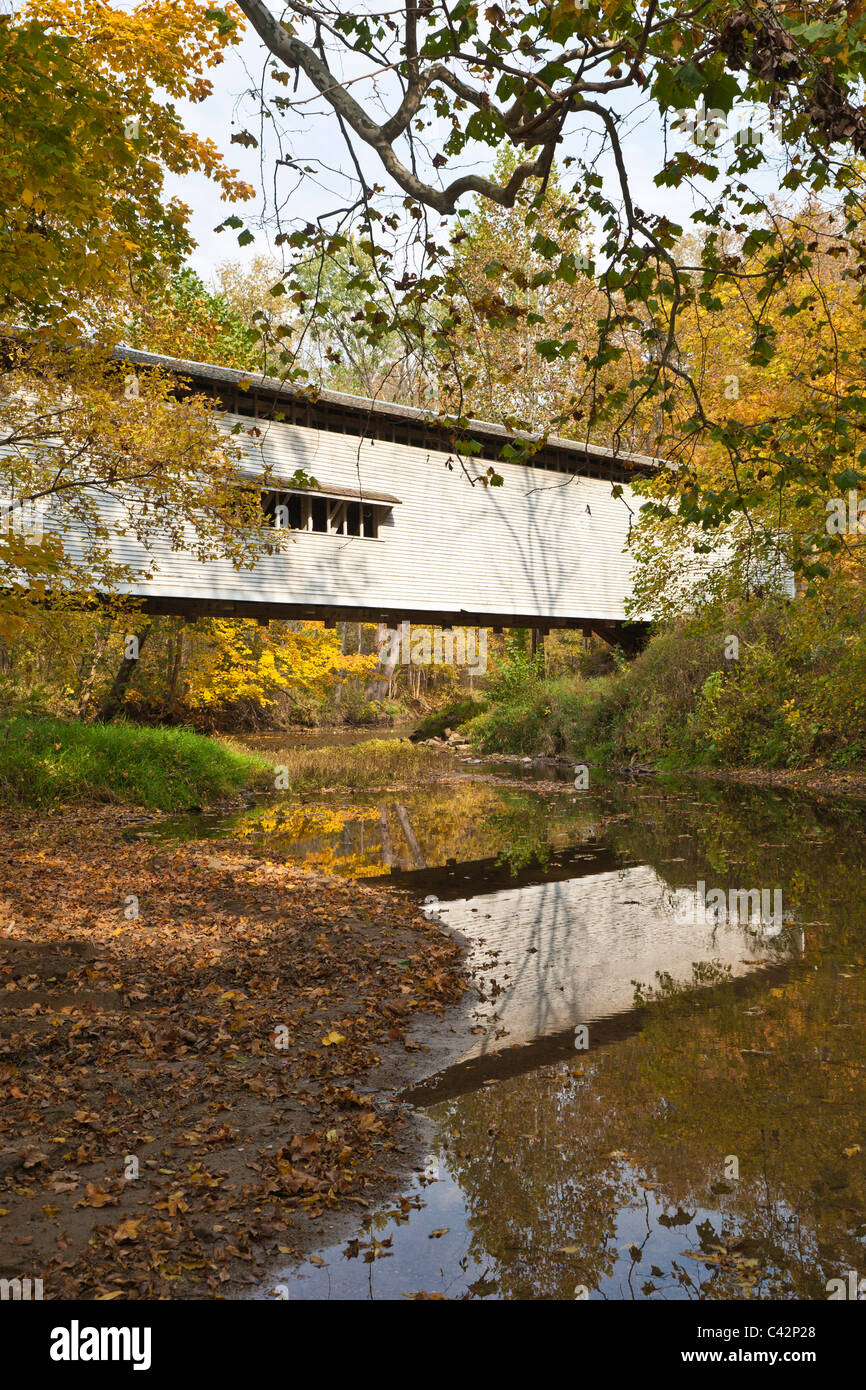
x,y
187,1089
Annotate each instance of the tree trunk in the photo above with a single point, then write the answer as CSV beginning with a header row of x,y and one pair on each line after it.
x,y
114,698
176,666
387,842
411,838
380,683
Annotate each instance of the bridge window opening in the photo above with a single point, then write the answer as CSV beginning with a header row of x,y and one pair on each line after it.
x,y
318,517
299,511
386,430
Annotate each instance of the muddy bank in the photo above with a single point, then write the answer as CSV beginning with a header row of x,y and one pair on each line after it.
x,y
819,781
199,1051
549,772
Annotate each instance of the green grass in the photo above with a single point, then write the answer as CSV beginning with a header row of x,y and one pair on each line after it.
x,y
46,761
376,762
457,712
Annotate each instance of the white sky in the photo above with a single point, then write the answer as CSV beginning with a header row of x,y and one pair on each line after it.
x,y
315,137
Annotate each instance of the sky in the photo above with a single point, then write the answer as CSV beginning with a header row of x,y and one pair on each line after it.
x,y
315,140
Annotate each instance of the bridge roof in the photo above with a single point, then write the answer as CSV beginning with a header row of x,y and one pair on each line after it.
x,y
337,410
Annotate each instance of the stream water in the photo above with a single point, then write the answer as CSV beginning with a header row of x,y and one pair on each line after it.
x,y
662,1093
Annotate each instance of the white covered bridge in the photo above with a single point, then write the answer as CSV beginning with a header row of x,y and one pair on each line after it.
x,y
401,527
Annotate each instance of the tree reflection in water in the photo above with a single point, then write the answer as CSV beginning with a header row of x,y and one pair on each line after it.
x,y
614,1169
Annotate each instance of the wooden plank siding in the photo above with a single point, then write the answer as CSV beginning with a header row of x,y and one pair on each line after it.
x,y
548,548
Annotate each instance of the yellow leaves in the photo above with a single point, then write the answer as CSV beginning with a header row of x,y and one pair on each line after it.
x,y
86,142
242,662
174,1202
333,1039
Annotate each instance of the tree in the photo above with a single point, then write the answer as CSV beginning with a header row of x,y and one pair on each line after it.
x,y
88,128
241,667
498,294
797,423
343,345
89,451
185,319
417,91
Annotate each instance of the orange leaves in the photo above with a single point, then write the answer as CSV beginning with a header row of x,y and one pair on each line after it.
x,y
230,941
95,1196
127,1230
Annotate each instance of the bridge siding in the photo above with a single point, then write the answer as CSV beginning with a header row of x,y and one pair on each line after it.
x,y
449,546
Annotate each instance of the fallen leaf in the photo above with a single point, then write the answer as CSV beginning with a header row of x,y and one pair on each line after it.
x,y
127,1230
96,1197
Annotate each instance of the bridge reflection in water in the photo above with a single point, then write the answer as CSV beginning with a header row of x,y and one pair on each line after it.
x,y
566,945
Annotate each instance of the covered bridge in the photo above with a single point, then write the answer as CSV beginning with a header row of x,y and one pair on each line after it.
x,y
401,527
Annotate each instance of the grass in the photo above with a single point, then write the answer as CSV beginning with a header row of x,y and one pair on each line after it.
x,y
457,712
376,762
47,761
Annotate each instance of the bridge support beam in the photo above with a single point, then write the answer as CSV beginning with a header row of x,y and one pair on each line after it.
x,y
630,636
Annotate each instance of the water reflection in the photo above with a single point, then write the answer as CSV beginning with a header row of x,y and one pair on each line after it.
x,y
556,955
711,1140
711,1143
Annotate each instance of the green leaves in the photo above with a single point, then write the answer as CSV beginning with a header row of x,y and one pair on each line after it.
x,y
224,22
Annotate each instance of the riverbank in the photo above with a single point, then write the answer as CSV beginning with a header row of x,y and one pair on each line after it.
x,y
763,685
45,762
821,782
49,762
187,1040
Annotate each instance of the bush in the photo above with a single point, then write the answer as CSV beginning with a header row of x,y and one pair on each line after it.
x,y
797,691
